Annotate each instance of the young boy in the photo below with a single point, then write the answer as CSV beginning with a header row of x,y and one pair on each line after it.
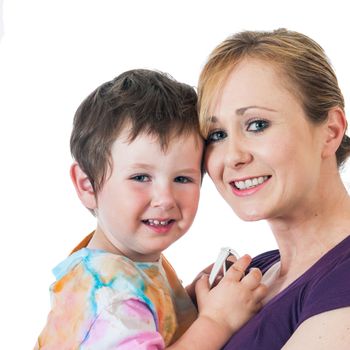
x,y
137,168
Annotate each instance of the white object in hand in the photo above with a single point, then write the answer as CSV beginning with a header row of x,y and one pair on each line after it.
x,y
220,263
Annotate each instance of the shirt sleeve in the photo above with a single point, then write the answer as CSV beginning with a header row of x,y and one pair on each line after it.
x,y
124,325
329,292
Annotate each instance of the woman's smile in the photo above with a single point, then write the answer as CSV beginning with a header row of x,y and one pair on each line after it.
x,y
249,186
253,155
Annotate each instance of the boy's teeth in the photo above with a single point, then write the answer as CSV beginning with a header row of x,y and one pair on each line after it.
x,y
157,222
243,185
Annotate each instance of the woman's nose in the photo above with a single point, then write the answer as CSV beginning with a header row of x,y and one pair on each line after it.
x,y
237,153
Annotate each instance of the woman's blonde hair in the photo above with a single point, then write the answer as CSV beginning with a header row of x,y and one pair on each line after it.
x,y
300,59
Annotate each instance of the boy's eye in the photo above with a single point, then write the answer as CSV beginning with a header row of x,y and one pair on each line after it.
x,y
141,178
257,125
216,136
183,179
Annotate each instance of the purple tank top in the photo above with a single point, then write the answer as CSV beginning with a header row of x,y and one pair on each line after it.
x,y
324,287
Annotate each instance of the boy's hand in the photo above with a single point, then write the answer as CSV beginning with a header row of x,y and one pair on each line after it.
x,y
235,299
191,287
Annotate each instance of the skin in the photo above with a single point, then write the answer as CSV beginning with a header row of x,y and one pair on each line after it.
x,y
149,183
259,130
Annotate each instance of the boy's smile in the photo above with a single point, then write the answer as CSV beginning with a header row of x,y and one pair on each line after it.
x,y
159,225
150,197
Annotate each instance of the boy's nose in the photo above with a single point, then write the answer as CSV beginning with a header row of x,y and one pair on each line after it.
x,y
163,198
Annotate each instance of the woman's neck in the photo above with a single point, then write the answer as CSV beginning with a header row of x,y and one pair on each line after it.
x,y
305,236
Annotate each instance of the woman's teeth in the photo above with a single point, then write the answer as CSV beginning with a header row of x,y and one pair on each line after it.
x,y
249,183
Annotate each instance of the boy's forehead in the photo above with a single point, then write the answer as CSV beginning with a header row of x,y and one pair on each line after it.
x,y
147,149
183,153
151,139
176,139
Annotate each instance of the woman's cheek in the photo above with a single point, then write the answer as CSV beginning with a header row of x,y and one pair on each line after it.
x,y
212,164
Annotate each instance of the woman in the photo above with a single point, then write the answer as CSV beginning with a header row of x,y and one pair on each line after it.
x,y
273,117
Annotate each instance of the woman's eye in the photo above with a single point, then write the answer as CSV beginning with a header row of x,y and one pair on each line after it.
x,y
183,179
257,125
216,136
141,178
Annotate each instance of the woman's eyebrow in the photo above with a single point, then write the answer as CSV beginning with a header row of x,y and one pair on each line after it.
x,y
241,111
212,119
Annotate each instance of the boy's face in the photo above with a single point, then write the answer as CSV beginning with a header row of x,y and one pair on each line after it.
x,y
151,197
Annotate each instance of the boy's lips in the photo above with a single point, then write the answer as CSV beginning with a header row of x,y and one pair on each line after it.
x,y
158,222
159,225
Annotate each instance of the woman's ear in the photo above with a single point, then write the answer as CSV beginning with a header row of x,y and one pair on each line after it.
x,y
335,128
83,186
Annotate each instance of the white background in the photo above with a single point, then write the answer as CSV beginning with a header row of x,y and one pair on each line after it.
x,y
52,54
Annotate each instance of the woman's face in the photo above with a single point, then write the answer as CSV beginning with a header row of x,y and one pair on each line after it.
x,y
263,155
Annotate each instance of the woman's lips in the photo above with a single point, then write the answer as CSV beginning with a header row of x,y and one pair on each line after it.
x,y
249,186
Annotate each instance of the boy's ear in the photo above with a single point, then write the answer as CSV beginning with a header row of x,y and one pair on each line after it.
x,y
335,128
83,186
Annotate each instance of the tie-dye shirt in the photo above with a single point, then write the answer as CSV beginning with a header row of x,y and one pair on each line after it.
x,y
106,301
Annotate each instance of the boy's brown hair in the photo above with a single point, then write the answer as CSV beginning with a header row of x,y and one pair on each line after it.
x,y
149,102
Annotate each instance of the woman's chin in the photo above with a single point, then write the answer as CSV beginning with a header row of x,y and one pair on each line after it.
x,y
252,215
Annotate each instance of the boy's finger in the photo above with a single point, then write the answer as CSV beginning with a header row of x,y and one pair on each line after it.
x,y
252,279
229,261
202,286
232,259
208,269
217,280
260,292
237,270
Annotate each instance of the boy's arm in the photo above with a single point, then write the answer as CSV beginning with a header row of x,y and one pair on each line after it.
x,y
124,325
225,308
129,326
222,311
204,334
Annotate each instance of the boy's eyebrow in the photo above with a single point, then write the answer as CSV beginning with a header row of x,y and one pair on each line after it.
x,y
189,171
142,165
150,167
